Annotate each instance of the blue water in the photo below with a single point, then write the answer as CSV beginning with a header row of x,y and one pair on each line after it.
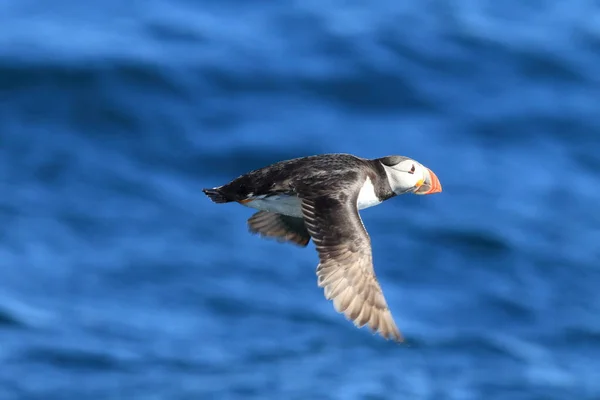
x,y
120,280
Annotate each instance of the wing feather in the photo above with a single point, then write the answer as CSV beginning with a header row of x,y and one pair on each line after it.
x,y
345,270
280,227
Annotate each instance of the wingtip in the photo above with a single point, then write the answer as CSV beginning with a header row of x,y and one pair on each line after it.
x,y
397,336
393,335
390,333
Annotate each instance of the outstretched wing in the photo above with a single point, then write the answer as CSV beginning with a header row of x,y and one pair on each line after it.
x,y
281,227
346,269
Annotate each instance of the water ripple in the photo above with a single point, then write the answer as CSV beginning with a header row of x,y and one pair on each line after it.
x,y
121,279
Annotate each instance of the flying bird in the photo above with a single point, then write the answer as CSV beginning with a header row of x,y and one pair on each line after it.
x,y
319,197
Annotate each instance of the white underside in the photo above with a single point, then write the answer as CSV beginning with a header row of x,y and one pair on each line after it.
x,y
290,205
286,205
366,196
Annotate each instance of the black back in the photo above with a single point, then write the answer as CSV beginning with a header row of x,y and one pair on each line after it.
x,y
329,172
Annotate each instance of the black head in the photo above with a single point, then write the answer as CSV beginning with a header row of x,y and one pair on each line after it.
x,y
390,161
406,175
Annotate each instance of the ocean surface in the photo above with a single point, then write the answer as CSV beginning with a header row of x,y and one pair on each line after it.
x,y
119,279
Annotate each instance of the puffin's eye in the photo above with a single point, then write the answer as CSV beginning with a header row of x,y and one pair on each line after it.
x,y
412,170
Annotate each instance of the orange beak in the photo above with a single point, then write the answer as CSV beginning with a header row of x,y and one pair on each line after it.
x,y
431,185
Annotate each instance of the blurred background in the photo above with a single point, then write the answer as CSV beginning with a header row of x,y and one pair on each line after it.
x,y
120,280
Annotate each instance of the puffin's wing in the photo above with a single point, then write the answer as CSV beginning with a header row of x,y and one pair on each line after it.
x,y
346,269
281,227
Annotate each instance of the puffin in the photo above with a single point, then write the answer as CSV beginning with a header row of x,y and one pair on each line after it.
x,y
318,197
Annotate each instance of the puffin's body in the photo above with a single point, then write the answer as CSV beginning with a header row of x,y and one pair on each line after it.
x,y
319,197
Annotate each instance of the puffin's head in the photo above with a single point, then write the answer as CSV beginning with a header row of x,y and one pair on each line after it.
x,y
409,176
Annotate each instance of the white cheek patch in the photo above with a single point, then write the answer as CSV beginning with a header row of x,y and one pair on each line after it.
x,y
401,181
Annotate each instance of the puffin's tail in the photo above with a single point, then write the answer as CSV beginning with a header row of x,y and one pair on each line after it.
x,y
216,195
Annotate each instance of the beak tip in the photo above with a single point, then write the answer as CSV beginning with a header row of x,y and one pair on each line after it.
x,y
436,186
